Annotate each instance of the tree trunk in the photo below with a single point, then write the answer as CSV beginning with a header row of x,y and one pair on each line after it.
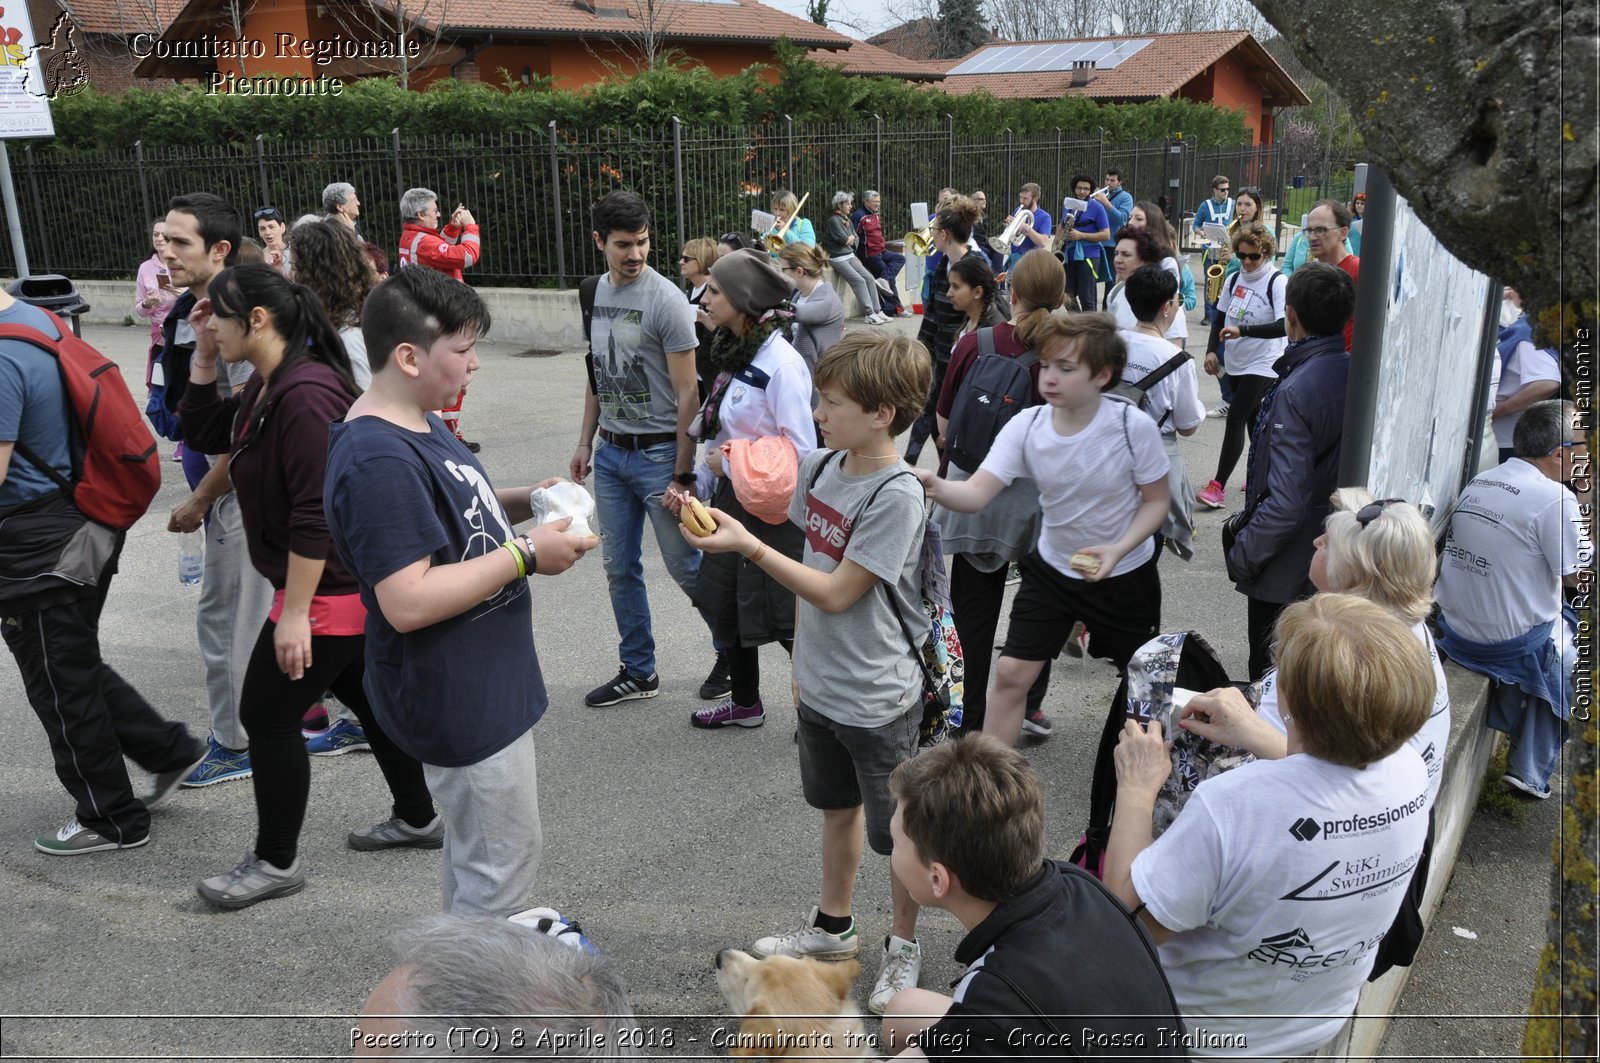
x,y
1482,113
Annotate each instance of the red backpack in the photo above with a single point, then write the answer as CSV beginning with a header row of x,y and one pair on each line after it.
x,y
115,468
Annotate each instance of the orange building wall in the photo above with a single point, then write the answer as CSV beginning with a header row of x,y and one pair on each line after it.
x,y
1226,84
264,22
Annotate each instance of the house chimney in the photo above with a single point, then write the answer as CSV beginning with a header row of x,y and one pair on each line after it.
x,y
1081,76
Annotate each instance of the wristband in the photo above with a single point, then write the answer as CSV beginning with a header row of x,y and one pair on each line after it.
x,y
533,555
761,551
517,556
585,446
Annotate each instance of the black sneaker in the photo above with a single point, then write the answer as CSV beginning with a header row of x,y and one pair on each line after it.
x,y
719,684
624,687
1036,723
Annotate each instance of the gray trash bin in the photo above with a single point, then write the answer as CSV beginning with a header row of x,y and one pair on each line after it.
x,y
53,292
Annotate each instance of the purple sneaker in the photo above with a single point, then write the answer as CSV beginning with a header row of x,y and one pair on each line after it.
x,y
727,714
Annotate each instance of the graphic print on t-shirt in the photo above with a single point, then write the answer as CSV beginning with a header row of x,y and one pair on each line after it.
x,y
827,530
1295,949
1357,874
619,378
481,538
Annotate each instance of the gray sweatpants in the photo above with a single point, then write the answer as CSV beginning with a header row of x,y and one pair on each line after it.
x,y
234,602
492,836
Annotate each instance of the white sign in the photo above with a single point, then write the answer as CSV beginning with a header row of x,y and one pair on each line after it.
x,y
25,88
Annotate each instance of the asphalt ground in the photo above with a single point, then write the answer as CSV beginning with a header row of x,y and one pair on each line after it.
x,y
666,843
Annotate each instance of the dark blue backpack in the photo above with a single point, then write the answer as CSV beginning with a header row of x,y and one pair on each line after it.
x,y
995,389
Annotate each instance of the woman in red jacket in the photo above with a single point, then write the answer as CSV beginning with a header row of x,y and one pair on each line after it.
x,y
276,430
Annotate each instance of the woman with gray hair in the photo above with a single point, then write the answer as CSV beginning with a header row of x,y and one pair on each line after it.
x,y
839,241
339,201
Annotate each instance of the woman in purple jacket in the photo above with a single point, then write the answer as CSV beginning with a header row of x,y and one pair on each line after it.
x,y
276,430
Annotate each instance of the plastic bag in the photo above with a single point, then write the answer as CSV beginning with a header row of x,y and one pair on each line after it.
x,y
564,499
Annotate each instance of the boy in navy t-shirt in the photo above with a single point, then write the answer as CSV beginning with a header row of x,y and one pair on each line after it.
x,y
451,668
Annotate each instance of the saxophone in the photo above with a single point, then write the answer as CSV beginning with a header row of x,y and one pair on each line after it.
x,y
1214,275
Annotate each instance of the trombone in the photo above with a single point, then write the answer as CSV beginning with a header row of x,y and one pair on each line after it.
x,y
773,241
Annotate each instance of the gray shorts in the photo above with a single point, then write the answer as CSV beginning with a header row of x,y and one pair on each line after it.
x,y
849,767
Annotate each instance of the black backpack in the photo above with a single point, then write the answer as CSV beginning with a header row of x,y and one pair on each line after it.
x,y
995,389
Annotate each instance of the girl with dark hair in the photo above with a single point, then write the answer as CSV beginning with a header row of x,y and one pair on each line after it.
x,y
951,233
756,420
972,292
276,432
333,263
1143,245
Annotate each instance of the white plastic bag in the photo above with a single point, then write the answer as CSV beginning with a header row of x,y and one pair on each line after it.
x,y
565,499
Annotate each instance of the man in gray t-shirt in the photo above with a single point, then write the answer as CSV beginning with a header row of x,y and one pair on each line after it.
x,y
642,393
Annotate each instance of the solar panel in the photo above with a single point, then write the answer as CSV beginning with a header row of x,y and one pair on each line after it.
x,y
1034,58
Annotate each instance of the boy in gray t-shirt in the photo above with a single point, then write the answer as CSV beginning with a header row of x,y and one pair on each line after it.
x,y
857,683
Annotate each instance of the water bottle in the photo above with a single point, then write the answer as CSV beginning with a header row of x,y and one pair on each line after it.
x,y
191,558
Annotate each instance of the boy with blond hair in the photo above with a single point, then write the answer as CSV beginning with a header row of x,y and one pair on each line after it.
x,y
1056,967
856,679
1102,476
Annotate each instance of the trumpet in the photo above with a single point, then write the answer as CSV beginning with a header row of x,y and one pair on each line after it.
x,y
919,241
1214,275
1002,243
773,241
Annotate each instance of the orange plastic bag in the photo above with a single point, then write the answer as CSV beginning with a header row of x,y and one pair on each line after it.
x,y
764,473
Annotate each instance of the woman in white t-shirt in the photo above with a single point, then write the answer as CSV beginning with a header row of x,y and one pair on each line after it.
x,y
1250,318
1272,890
1137,247
762,391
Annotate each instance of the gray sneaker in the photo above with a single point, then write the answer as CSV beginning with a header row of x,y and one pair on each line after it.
x,y
253,880
396,833
74,839
163,783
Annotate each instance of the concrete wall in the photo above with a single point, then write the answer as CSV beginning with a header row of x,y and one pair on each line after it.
x,y
530,317
1471,744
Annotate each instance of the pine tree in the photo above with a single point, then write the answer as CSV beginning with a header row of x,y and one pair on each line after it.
x,y
817,11
961,27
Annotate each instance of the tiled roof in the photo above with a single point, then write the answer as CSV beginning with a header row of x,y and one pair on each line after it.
x,y
109,16
1159,70
868,59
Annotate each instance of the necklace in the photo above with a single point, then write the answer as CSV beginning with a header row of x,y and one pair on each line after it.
x,y
1150,329
873,457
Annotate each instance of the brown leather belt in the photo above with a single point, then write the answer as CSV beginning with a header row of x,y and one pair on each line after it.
x,y
638,442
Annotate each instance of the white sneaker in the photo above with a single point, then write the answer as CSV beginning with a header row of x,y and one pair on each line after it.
x,y
809,941
875,318
902,966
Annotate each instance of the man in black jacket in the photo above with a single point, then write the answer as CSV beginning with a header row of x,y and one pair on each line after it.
x,y
1294,454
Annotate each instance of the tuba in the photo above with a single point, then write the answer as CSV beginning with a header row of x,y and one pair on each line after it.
x,y
773,241
919,241
1214,275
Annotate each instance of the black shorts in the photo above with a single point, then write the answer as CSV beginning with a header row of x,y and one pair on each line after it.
x,y
1122,612
848,767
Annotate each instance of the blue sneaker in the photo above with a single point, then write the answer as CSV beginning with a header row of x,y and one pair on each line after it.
x,y
343,737
221,764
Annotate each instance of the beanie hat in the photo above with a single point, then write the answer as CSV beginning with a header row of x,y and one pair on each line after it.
x,y
750,281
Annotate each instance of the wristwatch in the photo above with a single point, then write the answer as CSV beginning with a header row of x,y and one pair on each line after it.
x,y
533,556
685,479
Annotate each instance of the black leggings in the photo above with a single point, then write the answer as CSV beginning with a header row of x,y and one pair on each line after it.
x,y
271,709
976,598
744,667
1247,392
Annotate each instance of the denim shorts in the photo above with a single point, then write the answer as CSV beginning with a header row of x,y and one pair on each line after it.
x,y
849,767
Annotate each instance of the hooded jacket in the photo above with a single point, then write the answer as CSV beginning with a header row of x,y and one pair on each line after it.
x,y
278,475
1294,463
450,251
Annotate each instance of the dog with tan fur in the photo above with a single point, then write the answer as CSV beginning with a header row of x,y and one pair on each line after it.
x,y
792,1008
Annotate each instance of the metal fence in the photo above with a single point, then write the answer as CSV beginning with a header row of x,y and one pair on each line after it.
x,y
85,214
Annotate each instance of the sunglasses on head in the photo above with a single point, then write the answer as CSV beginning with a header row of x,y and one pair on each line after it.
x,y
268,213
1370,512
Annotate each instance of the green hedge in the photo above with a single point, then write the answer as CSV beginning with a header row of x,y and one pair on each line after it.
x,y
804,91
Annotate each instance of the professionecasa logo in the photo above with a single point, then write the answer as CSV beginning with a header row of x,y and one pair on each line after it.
x,y
59,61
1305,828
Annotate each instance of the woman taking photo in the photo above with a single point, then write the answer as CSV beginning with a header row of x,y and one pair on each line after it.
x,y
276,431
695,262
762,395
839,242
984,544
1250,317
818,313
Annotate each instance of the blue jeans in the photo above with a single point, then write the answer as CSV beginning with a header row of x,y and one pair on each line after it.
x,y
628,485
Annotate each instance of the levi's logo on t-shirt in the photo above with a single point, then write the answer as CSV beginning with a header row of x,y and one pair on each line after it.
x,y
827,530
